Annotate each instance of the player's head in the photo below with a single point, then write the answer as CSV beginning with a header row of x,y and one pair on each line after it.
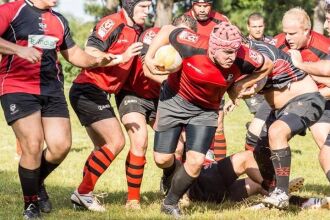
x,y
327,16
201,9
45,4
185,21
256,26
296,26
137,10
224,42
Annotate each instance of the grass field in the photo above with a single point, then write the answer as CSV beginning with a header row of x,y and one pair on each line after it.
x,y
63,181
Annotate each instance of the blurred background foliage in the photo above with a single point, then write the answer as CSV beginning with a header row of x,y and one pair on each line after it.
x,y
163,11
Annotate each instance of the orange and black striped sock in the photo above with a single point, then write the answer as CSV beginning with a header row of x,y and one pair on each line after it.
x,y
219,146
86,163
134,173
96,165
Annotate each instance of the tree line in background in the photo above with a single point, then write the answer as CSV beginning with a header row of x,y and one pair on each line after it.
x,y
236,10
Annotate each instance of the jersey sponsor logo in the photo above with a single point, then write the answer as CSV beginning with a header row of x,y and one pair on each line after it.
x,y
122,41
255,56
105,28
42,41
150,35
188,36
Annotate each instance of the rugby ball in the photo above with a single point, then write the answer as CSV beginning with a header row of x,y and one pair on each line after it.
x,y
167,58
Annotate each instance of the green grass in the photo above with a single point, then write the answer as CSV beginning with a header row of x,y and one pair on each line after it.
x,y
65,179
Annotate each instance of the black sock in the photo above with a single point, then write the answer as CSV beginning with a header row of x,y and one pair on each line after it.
x,y
46,167
282,162
169,170
328,175
30,185
180,184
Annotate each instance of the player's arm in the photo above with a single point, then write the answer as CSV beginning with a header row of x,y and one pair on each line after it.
x,y
29,53
132,50
156,78
319,68
161,39
247,85
76,56
325,92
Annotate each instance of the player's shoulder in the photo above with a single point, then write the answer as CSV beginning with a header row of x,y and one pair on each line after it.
x,y
148,35
108,24
278,40
189,37
320,42
219,16
12,6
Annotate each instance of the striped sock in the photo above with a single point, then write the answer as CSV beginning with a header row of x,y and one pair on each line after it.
x,y
96,165
134,173
86,163
219,146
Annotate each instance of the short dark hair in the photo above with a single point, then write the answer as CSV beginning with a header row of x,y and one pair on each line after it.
x,y
255,16
187,20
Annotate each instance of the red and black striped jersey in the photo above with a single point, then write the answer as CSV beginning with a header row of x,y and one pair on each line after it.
x,y
201,81
111,35
284,72
46,30
317,48
137,82
206,27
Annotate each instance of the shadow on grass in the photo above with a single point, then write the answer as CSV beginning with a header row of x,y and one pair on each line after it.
x,y
201,207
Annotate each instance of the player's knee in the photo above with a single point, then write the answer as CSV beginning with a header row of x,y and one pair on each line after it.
x,y
140,143
118,143
163,160
194,163
277,133
32,147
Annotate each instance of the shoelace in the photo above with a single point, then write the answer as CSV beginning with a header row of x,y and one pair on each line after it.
x,y
101,196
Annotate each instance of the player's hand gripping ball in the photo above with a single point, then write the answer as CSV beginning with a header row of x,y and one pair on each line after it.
x,y
168,59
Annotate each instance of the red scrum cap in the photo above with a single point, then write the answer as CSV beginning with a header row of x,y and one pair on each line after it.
x,y
225,36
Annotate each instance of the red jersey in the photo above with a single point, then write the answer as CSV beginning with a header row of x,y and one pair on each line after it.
x,y
317,48
206,27
202,82
46,30
111,35
137,82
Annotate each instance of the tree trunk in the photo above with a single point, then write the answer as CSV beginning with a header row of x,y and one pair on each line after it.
x,y
318,17
164,12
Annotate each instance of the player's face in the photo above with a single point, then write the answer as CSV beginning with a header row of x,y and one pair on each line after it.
x,y
327,22
256,29
225,58
141,11
296,34
45,4
201,11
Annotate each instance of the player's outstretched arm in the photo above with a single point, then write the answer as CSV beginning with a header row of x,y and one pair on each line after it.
x,y
319,68
76,56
